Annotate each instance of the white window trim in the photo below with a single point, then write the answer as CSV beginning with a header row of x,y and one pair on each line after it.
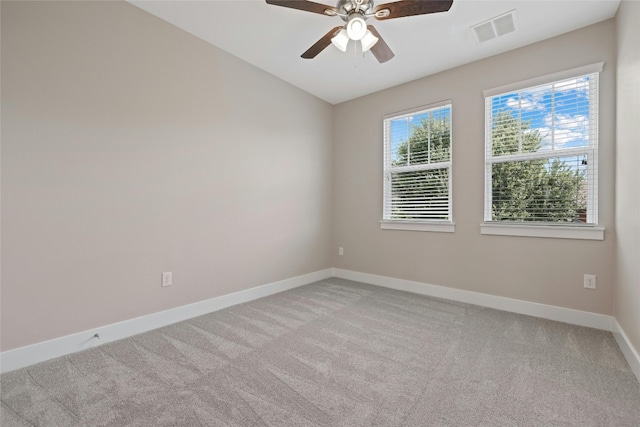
x,y
578,231
425,225
549,78
436,226
582,232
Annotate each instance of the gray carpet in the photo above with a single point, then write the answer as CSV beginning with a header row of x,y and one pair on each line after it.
x,y
336,353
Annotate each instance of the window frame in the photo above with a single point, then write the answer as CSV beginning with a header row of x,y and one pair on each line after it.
x,y
590,230
433,225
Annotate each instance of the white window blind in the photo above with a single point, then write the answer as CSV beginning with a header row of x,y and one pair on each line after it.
x,y
542,153
417,164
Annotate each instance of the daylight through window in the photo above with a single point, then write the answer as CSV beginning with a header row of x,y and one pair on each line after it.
x,y
542,153
417,165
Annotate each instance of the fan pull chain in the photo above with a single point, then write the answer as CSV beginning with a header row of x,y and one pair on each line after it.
x,y
355,55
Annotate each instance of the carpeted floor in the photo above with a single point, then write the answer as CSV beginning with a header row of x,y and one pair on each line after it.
x,y
337,353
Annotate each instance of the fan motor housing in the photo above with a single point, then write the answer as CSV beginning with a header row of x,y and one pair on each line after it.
x,y
347,7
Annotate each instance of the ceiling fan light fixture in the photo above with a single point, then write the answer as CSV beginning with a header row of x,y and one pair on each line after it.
x,y
356,28
341,40
368,41
356,12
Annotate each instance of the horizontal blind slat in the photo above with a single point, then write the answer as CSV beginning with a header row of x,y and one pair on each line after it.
x,y
417,156
541,152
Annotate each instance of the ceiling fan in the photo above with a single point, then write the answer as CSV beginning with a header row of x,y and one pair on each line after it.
x,y
355,13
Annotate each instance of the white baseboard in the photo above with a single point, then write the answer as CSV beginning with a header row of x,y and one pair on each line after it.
x,y
629,351
35,353
560,314
40,352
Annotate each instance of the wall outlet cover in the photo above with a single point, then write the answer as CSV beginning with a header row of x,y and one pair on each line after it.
x,y
589,281
167,279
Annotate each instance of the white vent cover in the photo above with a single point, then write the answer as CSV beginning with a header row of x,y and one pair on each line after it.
x,y
495,27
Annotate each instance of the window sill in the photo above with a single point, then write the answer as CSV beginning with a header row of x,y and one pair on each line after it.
x,y
584,232
441,227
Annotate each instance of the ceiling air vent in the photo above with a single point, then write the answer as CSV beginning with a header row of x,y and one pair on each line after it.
x,y
495,27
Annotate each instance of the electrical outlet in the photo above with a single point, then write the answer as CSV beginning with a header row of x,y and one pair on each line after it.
x,y
590,281
167,279
340,251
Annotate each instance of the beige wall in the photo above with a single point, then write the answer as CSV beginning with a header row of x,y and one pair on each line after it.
x,y
129,148
548,271
627,295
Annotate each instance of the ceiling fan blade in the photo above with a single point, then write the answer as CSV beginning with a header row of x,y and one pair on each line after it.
x,y
321,44
380,50
307,6
403,8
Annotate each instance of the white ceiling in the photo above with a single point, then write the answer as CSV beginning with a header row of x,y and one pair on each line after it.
x,y
272,38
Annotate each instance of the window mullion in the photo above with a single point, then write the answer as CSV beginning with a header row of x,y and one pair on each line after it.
x,y
539,155
421,167
519,122
553,117
540,177
415,189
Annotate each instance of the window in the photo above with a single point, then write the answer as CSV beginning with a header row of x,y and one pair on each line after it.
x,y
417,169
541,153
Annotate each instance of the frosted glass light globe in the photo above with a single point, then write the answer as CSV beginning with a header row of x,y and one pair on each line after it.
x,y
356,28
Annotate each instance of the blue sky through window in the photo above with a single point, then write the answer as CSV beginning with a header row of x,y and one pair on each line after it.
x,y
558,111
401,129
